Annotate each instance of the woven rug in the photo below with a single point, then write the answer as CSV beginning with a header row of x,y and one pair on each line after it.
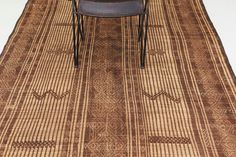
x,y
183,104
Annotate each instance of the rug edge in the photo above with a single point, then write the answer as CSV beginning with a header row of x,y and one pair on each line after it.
x,y
226,59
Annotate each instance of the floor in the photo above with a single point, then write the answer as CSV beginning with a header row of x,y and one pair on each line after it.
x,y
221,13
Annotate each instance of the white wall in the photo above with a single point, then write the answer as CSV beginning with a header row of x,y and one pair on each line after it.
x,y
221,12
10,11
223,16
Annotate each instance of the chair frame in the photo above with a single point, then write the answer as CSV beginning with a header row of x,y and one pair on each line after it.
x,y
142,33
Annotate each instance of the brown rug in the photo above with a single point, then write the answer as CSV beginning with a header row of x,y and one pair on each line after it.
x,y
183,104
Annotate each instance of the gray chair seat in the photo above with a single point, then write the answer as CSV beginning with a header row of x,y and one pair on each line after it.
x,y
110,8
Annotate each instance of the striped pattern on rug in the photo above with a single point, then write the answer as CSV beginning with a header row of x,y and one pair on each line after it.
x,y
183,104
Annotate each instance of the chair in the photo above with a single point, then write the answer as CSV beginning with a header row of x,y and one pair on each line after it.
x,y
111,9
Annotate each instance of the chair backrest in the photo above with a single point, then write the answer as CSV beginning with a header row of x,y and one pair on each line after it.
x,y
74,2
109,1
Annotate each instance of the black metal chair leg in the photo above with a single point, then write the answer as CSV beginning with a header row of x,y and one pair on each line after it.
x,y
74,39
139,23
145,40
140,33
80,28
141,47
77,43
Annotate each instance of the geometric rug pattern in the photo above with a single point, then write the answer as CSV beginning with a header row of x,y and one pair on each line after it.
x,y
183,104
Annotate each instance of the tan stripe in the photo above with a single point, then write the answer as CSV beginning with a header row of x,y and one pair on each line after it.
x,y
164,101
133,119
85,109
183,130
137,103
6,127
204,118
21,72
179,50
124,61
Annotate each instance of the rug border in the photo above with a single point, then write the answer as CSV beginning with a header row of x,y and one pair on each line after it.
x,y
13,31
226,59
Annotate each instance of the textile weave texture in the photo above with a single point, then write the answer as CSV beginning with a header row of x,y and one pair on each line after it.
x,y
183,104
